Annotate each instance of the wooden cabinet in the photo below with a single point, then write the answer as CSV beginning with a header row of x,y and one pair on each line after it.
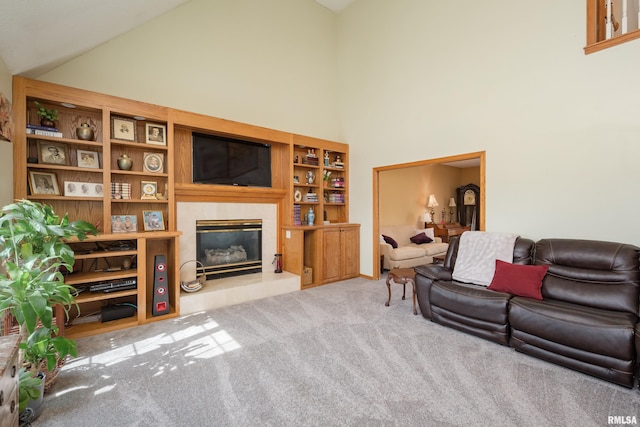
x,y
340,252
82,177
330,252
9,380
328,248
319,180
118,258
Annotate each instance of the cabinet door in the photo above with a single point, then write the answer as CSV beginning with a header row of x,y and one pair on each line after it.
x,y
350,238
331,255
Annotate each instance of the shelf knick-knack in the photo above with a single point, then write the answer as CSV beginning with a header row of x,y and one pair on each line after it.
x,y
125,163
84,132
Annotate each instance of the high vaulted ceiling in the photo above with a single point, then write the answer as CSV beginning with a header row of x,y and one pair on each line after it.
x,y
38,35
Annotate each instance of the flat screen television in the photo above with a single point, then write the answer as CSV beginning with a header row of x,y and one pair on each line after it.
x,y
227,161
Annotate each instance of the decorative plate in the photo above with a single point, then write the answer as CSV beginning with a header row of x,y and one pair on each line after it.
x,y
297,195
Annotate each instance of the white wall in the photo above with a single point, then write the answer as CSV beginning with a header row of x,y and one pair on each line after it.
x,y
427,79
6,148
269,63
416,79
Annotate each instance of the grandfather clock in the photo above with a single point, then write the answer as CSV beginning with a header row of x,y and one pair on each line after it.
x,y
468,199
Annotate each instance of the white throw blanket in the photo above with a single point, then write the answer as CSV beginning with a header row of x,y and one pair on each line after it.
x,y
477,255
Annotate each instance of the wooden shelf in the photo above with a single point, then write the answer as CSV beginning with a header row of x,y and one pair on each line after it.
x,y
101,296
95,264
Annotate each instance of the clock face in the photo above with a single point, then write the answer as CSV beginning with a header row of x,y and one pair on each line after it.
x,y
149,189
469,197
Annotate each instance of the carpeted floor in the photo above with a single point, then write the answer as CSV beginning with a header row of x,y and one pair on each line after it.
x,y
328,356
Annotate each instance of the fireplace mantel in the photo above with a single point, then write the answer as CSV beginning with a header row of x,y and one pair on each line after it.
x,y
228,193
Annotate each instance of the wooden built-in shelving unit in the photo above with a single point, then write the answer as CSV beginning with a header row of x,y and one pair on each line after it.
x,y
302,242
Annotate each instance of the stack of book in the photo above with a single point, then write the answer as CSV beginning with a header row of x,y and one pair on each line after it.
x,y
43,131
311,197
336,198
120,190
296,215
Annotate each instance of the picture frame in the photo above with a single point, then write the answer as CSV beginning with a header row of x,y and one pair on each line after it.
x,y
124,223
156,134
43,183
88,159
7,125
123,129
83,189
153,220
54,153
153,162
149,189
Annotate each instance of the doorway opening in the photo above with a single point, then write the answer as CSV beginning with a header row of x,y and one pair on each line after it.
x,y
419,191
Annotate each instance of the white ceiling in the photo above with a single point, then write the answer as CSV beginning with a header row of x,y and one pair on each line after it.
x,y
39,35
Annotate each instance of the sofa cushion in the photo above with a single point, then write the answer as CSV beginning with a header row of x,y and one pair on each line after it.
x,y
390,241
431,249
421,238
521,280
406,252
471,301
593,330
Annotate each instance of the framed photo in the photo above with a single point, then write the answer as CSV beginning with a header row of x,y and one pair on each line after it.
x,y
53,153
153,220
123,129
149,189
156,134
153,162
88,159
83,189
43,183
124,223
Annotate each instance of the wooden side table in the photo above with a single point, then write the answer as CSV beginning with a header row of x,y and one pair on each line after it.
x,y
401,276
448,230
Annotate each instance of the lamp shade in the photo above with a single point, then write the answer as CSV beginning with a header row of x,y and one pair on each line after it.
x,y
452,202
432,203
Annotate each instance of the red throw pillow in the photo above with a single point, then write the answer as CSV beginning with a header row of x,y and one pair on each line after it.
x,y
521,280
420,238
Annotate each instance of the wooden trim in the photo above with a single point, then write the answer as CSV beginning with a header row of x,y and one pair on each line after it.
x,y
596,33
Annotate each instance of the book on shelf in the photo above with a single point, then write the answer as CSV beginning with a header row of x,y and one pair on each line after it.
x,y
120,190
297,220
49,128
43,132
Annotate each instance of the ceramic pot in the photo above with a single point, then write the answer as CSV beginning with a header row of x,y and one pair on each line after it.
x,y
125,163
84,132
47,122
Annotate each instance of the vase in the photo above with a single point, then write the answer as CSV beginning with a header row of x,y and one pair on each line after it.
x,y
47,123
125,163
84,132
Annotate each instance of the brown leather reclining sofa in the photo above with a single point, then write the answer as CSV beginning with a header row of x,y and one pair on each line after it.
x,y
587,319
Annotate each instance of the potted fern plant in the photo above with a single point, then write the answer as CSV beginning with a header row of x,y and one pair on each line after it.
x,y
33,247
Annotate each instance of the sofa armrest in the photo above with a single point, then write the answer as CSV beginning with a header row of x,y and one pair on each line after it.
x,y
385,250
434,272
426,275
